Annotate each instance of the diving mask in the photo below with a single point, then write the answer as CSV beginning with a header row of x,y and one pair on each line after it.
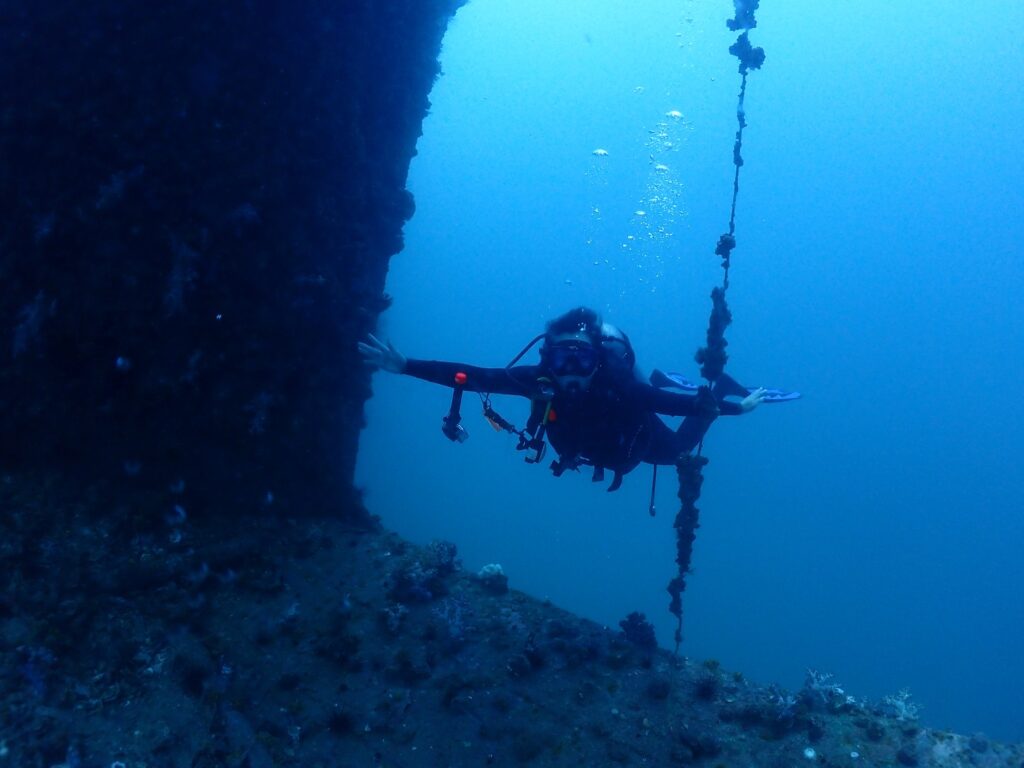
x,y
571,358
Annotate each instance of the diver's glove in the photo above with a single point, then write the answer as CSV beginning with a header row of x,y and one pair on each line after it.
x,y
380,355
754,399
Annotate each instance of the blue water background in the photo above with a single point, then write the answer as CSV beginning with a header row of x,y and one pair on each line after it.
x,y
874,529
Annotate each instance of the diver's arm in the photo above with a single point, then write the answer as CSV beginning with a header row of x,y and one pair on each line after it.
x,y
677,404
497,381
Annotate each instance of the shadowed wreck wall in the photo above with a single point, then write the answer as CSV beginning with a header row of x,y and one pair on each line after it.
x,y
198,202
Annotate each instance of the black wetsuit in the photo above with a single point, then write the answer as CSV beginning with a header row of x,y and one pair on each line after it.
x,y
612,425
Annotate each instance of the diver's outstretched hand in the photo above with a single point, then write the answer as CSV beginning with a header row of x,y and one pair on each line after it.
x,y
380,355
754,399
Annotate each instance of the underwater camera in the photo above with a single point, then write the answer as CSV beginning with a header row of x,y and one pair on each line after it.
x,y
450,426
454,431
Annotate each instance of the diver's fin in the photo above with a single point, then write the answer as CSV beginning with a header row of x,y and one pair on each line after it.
x,y
673,380
678,381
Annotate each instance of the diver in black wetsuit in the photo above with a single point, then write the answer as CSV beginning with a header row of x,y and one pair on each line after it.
x,y
586,395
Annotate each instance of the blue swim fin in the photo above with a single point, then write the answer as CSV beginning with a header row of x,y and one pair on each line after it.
x,y
726,386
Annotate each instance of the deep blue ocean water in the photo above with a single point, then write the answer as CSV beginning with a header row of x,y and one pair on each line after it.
x,y
874,529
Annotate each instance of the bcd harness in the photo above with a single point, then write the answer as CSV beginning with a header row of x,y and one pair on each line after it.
x,y
532,438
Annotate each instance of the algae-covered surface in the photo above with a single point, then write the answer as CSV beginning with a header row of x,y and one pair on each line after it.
x,y
137,636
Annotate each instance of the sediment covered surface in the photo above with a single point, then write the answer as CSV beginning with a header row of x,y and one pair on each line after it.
x,y
153,640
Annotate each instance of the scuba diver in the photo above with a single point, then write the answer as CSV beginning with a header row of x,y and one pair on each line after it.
x,y
586,398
